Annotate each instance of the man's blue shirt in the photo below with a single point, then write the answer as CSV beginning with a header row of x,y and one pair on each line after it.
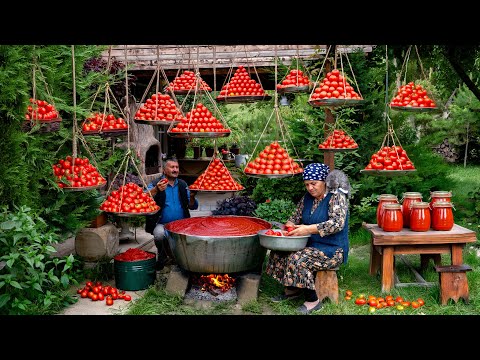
x,y
173,208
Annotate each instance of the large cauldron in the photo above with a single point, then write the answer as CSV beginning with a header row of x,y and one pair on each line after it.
x,y
217,253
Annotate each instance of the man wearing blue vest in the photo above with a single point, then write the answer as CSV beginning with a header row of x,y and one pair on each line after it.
x,y
175,201
321,213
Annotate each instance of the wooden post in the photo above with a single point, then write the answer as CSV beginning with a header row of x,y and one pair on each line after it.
x,y
329,157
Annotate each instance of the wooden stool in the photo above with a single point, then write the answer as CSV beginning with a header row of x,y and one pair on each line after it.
x,y
453,282
326,284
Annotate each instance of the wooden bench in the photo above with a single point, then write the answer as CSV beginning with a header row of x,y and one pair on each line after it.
x,y
326,285
453,282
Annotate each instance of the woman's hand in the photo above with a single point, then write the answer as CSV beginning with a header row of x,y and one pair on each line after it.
x,y
302,230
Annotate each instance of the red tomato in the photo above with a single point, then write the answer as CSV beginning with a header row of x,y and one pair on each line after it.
x,y
360,301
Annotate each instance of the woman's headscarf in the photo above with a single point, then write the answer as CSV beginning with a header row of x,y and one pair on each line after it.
x,y
316,171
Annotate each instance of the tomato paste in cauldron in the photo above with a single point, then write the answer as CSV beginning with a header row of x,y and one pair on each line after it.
x,y
217,244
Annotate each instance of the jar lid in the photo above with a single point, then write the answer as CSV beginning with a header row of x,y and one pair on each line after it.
x,y
387,197
420,205
412,195
442,204
440,194
392,207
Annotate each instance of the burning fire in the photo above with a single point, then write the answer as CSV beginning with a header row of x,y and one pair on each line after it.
x,y
214,281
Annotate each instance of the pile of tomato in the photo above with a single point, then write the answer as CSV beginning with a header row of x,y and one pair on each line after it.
x,y
378,302
200,119
187,81
80,173
134,254
390,158
159,107
412,95
97,292
241,84
273,160
102,122
41,110
338,139
216,177
294,78
129,198
334,86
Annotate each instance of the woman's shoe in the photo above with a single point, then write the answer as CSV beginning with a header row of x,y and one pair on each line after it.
x,y
304,311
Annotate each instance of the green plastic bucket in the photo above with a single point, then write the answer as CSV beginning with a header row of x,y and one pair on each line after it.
x,y
134,275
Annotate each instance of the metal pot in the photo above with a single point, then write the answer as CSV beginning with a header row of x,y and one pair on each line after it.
x,y
282,243
217,254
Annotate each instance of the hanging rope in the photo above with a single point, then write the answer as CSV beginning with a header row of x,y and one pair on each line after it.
x,y
74,134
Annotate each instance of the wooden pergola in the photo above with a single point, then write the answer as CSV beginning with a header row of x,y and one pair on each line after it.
x,y
220,57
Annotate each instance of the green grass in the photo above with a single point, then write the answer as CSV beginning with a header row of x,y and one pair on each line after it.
x,y
353,276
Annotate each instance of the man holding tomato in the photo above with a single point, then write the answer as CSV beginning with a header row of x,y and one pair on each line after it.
x,y
175,201
322,213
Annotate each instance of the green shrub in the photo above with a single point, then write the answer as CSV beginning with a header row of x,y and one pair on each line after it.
x,y
31,279
278,210
286,189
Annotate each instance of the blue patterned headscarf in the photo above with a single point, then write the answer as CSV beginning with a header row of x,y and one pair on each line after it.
x,y
316,171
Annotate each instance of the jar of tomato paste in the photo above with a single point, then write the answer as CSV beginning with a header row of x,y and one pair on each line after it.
x,y
442,216
408,199
392,219
384,199
440,196
420,219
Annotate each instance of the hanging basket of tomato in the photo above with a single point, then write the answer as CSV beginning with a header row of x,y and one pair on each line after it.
x,y
129,200
295,82
186,84
159,109
200,122
273,162
338,141
77,174
414,98
104,125
216,178
333,91
389,160
41,112
241,88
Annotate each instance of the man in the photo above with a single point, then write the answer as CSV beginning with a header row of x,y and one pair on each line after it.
x,y
175,201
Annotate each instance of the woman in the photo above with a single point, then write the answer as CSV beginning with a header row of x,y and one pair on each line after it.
x,y
322,213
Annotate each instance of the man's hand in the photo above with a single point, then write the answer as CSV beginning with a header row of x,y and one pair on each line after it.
x,y
162,184
192,194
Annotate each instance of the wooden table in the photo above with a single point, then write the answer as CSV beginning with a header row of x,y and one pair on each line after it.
x,y
385,245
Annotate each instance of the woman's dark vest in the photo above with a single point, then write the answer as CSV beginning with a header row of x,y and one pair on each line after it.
x,y
160,197
330,243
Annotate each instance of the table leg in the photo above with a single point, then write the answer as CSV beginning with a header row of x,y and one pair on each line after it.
x,y
375,260
387,268
457,254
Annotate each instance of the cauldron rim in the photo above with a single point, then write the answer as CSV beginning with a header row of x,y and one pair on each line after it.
x,y
206,237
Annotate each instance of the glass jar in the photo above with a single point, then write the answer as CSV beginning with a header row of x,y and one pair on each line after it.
x,y
392,219
440,196
420,219
384,199
408,199
442,215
